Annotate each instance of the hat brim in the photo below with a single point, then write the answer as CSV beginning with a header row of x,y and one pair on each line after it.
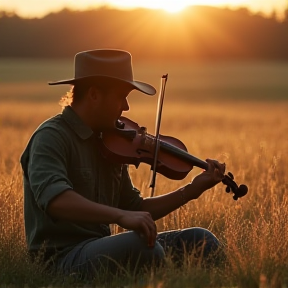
x,y
140,86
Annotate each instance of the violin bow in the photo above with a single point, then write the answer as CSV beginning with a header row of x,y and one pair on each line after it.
x,y
157,132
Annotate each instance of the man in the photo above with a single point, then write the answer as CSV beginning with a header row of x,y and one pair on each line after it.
x,y
72,192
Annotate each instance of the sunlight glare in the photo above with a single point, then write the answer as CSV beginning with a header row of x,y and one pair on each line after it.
x,y
173,7
168,6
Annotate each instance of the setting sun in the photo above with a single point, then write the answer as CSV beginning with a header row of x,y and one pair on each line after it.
x,y
173,6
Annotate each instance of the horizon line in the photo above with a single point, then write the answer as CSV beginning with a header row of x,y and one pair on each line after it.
x,y
12,12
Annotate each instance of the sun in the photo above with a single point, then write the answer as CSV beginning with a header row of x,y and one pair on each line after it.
x,y
173,7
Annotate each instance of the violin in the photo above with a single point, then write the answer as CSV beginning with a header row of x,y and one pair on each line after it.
x,y
130,143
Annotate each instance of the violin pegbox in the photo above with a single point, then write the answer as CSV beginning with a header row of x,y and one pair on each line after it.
x,y
239,192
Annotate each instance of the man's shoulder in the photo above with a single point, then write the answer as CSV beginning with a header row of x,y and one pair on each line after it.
x,y
55,122
56,125
51,129
47,133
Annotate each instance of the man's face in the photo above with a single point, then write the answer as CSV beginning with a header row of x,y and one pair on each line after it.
x,y
111,105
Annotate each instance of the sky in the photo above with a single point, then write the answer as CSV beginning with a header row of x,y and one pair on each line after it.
x,y
36,8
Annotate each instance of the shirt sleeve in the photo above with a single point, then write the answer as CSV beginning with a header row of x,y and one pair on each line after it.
x,y
130,198
47,164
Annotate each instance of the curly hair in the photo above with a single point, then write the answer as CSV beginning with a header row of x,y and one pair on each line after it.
x,y
73,95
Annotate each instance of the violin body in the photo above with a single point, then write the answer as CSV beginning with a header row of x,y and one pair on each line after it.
x,y
134,145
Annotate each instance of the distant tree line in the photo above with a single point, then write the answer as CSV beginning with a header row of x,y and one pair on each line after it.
x,y
198,32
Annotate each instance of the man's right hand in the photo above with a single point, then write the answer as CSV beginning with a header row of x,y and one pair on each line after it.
x,y
140,222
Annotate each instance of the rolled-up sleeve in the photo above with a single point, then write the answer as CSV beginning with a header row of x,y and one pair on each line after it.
x,y
130,198
47,166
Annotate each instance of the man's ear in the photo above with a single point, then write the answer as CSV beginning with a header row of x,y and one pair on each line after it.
x,y
94,94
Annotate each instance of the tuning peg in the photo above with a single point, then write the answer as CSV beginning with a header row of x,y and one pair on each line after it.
x,y
227,189
231,175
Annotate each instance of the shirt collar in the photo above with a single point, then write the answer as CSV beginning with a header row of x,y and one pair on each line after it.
x,y
75,122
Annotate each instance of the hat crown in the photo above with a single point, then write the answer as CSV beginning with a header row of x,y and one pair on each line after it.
x,y
111,63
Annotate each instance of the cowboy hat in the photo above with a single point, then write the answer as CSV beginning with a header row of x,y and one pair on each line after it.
x,y
105,64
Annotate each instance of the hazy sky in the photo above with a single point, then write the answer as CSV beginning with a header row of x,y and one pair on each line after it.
x,y
32,8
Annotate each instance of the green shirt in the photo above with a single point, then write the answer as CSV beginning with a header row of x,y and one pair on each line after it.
x,y
63,154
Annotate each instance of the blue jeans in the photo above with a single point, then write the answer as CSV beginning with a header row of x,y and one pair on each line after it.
x,y
129,251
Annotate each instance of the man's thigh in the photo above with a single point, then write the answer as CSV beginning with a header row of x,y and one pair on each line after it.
x,y
122,250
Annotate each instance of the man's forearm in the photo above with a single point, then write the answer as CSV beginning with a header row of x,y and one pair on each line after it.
x,y
161,206
73,207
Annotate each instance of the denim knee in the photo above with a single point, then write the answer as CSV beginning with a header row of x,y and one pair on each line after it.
x,y
205,244
196,241
156,253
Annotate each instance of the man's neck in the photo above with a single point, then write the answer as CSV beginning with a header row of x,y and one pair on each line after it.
x,y
84,113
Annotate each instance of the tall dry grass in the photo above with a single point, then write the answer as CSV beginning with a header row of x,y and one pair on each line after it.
x,y
250,137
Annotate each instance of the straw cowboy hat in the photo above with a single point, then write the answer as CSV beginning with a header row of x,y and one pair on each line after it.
x,y
105,64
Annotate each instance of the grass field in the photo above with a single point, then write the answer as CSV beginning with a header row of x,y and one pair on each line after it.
x,y
249,134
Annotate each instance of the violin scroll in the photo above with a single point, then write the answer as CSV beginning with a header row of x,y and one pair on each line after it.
x,y
239,191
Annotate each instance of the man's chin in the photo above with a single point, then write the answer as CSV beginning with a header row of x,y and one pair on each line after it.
x,y
110,126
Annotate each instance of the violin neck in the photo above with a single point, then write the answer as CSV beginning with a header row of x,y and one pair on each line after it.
x,y
183,155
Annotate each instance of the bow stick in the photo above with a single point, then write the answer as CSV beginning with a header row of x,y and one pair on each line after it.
x,y
157,130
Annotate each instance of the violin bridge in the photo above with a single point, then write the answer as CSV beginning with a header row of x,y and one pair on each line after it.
x,y
146,141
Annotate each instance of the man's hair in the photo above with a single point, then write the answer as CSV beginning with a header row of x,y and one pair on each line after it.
x,y
77,92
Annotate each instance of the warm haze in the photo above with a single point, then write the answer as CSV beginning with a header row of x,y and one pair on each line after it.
x,y
34,8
